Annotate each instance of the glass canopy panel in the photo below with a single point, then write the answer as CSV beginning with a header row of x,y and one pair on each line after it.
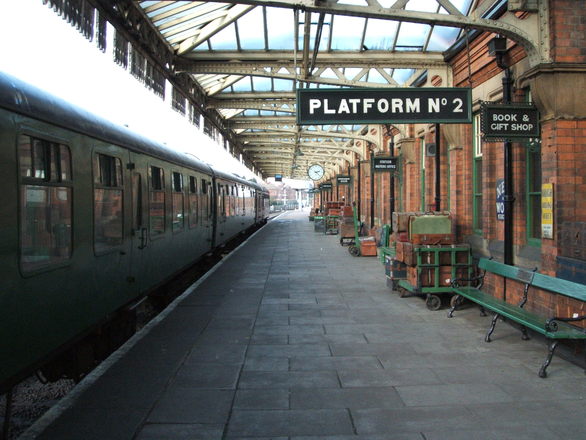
x,y
347,32
402,75
412,36
157,12
351,72
283,84
442,37
242,85
380,34
374,76
462,5
314,26
328,73
251,30
203,46
281,28
225,39
261,84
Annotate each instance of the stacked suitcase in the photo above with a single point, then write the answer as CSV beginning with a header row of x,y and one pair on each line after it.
x,y
426,256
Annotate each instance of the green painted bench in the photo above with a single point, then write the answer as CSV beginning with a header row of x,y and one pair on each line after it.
x,y
554,328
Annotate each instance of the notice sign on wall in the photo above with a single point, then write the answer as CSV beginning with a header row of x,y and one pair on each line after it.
x,y
343,180
547,210
384,106
381,163
503,121
325,186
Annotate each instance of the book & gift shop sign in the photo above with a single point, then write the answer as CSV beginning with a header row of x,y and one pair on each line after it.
x,y
507,121
384,105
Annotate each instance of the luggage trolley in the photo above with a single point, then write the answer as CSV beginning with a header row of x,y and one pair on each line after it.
x,y
332,215
346,226
363,246
434,269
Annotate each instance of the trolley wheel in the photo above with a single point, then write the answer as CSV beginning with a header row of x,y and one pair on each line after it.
x,y
455,301
354,251
433,302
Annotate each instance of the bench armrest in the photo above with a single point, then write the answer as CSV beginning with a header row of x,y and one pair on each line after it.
x,y
552,326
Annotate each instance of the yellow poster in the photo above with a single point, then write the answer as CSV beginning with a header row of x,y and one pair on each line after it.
x,y
547,210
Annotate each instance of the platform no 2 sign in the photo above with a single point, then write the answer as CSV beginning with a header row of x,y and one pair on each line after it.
x,y
382,106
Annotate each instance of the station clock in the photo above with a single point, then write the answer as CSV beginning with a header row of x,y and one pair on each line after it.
x,y
315,172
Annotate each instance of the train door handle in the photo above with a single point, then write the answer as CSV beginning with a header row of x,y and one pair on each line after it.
x,y
143,238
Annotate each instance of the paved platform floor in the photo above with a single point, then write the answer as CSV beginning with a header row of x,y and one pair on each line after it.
x,y
293,338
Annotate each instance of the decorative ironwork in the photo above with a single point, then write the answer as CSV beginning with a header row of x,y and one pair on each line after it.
x,y
120,49
194,115
137,65
207,126
528,278
154,79
552,326
552,347
492,326
179,100
101,31
78,13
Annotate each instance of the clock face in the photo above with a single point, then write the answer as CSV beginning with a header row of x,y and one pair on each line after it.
x,y
315,172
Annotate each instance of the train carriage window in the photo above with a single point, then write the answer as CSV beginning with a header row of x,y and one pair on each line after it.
x,y
45,203
178,214
193,202
108,203
156,202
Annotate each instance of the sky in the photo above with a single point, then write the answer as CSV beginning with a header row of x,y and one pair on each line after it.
x,y
39,47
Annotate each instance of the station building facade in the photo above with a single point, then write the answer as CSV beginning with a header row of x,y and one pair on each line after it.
x,y
547,172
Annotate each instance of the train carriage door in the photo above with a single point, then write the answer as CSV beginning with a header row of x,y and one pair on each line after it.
x,y
111,224
142,272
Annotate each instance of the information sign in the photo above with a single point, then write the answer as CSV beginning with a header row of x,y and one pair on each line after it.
x,y
384,105
504,121
384,163
343,180
325,186
547,210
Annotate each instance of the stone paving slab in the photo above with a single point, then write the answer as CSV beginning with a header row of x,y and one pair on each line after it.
x,y
291,338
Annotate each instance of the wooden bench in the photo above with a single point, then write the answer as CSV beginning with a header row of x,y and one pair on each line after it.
x,y
554,328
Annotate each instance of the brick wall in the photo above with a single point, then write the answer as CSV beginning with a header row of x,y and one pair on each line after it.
x,y
563,163
568,31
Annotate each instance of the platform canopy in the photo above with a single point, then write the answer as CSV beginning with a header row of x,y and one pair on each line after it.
x,y
246,59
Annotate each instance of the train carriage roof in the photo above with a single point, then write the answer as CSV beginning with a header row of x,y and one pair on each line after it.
x,y
27,100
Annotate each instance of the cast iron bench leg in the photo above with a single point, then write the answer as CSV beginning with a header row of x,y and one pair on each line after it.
x,y
552,346
525,336
491,329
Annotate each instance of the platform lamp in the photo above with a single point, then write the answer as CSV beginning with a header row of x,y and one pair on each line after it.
x,y
497,48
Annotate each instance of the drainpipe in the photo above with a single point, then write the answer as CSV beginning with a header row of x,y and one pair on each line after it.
x,y
392,188
508,196
437,169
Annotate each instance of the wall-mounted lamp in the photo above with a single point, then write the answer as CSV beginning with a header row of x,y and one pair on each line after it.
x,y
497,48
